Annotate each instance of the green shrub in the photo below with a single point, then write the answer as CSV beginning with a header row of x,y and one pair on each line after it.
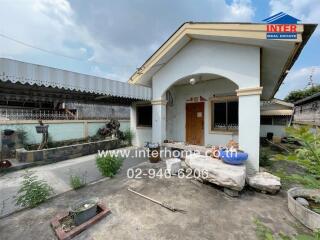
x,y
109,165
33,191
265,159
22,136
306,180
128,135
308,154
77,182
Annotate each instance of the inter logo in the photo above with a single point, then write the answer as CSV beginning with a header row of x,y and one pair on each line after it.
x,y
281,26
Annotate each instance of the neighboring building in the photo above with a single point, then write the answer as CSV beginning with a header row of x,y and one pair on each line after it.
x,y
275,117
307,110
33,92
74,105
207,81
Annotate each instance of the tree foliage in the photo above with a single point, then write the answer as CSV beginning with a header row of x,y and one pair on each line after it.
x,y
300,94
308,154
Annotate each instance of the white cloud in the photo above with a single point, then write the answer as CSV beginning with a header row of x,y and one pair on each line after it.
x,y
240,10
307,11
298,79
46,24
130,31
120,35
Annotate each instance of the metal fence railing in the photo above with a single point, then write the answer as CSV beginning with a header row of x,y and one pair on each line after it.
x,y
27,114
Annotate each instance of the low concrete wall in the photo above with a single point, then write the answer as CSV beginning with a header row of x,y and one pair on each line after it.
x,y
277,130
59,130
66,152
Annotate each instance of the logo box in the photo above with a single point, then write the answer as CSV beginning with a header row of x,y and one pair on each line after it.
x,y
281,26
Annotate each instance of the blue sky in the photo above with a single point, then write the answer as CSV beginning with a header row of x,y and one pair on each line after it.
x,y
112,38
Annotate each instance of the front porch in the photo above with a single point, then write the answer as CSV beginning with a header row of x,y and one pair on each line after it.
x,y
210,112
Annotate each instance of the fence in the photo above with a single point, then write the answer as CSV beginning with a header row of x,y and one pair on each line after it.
x,y
30,114
59,130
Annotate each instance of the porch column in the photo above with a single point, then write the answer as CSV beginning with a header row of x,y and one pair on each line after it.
x,y
158,120
249,125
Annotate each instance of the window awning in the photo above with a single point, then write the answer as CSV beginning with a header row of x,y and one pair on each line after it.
x,y
284,112
16,72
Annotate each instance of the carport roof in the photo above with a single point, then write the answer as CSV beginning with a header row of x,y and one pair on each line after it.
x,y
42,81
277,56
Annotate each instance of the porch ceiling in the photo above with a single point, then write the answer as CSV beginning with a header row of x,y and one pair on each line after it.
x,y
277,56
199,78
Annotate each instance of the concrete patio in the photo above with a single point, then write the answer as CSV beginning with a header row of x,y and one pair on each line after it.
x,y
57,175
211,214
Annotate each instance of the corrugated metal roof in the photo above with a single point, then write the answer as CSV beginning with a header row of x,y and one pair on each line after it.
x,y
311,98
285,112
27,73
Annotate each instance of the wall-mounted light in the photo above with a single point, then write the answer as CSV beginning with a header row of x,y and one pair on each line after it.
x,y
192,81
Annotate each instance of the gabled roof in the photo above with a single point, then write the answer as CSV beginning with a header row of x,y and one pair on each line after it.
x,y
277,56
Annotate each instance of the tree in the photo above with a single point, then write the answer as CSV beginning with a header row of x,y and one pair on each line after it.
x,y
300,94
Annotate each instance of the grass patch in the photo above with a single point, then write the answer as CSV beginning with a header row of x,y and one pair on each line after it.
x,y
77,182
265,233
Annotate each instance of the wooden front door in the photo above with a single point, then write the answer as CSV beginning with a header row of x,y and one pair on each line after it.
x,y
195,123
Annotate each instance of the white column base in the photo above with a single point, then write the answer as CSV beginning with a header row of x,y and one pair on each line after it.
x,y
249,129
158,121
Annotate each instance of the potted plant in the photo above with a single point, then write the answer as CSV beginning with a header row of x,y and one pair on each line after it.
x,y
42,128
304,204
233,156
83,211
154,152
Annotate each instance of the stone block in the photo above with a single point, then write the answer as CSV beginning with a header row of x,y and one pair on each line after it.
x,y
219,173
265,182
173,165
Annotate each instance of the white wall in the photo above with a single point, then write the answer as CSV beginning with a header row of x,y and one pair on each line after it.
x,y
239,63
176,114
141,134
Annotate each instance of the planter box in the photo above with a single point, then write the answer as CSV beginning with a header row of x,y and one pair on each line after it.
x,y
62,235
307,217
81,216
65,152
42,128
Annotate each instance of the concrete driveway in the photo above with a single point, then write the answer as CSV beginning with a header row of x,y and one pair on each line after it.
x,y
210,213
57,175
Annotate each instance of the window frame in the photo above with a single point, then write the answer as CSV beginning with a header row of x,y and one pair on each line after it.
x,y
211,114
137,118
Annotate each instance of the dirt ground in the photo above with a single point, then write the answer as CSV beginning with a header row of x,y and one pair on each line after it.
x,y
210,213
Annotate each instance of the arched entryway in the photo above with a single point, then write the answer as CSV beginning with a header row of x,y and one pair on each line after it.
x,y
202,109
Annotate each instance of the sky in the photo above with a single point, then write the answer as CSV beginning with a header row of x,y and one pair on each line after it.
x,y
112,38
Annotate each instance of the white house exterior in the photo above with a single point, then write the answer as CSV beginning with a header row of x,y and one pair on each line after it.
x,y
231,67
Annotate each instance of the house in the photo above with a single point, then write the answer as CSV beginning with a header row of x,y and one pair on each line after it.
x,y
207,81
307,110
276,115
